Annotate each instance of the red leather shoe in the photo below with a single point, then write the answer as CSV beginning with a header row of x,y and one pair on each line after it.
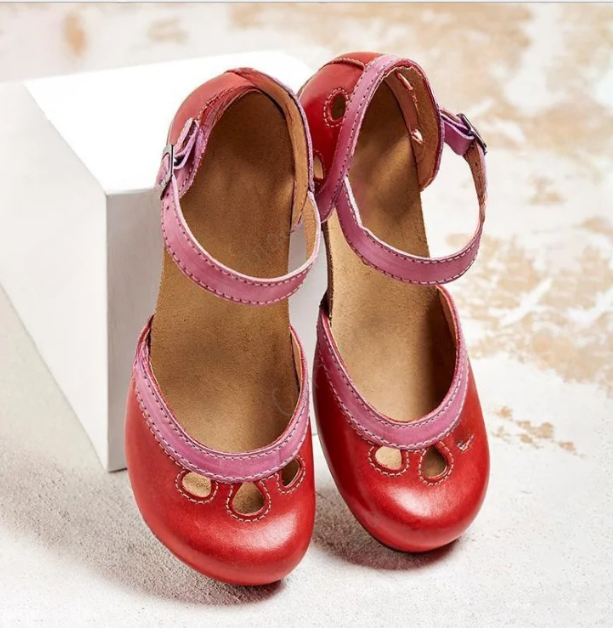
x,y
218,442
397,409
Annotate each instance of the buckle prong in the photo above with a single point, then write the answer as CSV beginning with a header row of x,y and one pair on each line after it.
x,y
473,130
170,151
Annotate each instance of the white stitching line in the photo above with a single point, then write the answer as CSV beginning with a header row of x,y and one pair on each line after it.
x,y
358,427
183,491
350,59
381,420
376,466
327,110
220,293
379,76
447,473
172,423
232,513
292,485
404,258
411,258
170,205
189,465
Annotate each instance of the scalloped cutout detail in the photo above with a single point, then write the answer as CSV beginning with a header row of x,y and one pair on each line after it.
x,y
434,464
290,473
196,484
248,499
338,106
389,458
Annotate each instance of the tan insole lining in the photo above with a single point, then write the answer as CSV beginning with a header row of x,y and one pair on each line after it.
x,y
226,369
394,337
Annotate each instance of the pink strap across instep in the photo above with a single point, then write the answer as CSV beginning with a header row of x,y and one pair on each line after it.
x,y
177,172
378,428
216,465
336,191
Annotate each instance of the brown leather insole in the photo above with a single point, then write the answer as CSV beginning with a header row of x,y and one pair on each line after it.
x,y
393,336
227,370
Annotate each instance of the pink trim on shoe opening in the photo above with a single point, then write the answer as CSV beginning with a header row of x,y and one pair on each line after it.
x,y
378,428
216,465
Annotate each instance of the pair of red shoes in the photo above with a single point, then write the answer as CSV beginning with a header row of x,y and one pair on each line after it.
x,y
217,437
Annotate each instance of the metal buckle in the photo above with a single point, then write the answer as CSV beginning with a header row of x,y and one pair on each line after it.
x,y
473,130
170,151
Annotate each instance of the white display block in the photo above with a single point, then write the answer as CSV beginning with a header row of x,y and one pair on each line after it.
x,y
80,245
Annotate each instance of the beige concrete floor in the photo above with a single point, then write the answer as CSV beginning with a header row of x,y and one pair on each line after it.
x,y
537,308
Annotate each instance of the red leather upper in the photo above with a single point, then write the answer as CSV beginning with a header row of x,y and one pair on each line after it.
x,y
403,508
208,534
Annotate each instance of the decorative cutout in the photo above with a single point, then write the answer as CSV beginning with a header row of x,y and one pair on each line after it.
x,y
388,461
248,499
433,464
338,106
196,485
289,473
389,458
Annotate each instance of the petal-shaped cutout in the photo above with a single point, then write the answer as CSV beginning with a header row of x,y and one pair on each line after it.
x,y
248,499
338,106
433,463
289,473
389,458
196,484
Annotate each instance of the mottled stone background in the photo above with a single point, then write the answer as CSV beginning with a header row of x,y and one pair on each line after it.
x,y
537,78
537,309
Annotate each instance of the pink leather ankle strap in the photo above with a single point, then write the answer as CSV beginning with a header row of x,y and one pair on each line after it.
x,y
216,465
336,191
371,424
180,163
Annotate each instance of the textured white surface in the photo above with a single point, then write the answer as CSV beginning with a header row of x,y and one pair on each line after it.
x,y
537,310
82,152
74,551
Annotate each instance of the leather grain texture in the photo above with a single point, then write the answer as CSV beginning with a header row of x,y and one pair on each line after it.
x,y
397,408
218,440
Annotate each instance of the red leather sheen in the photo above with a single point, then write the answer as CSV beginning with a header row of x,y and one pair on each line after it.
x,y
206,533
403,509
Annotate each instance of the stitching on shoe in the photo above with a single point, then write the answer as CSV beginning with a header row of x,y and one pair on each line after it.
x,y
381,469
447,473
174,427
244,518
183,491
361,104
466,444
408,259
328,120
372,413
358,427
275,283
292,487
214,476
350,59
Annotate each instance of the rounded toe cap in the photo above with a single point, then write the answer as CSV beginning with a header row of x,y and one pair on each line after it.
x,y
245,550
414,513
